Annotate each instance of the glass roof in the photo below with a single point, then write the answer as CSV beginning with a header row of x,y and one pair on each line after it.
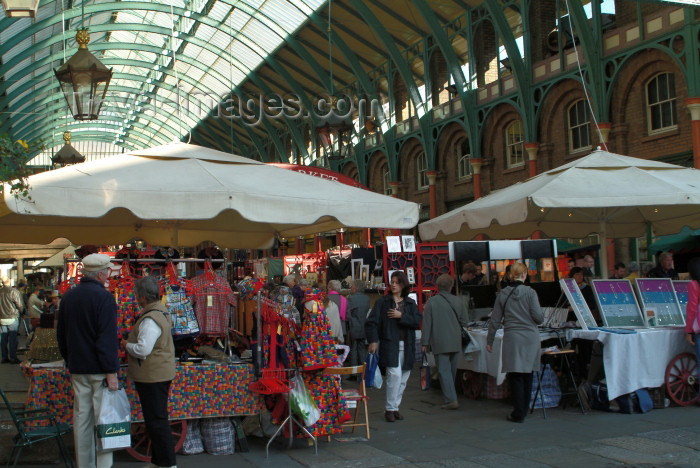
x,y
162,52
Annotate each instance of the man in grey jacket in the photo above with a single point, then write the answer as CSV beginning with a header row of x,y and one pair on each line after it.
x,y
443,316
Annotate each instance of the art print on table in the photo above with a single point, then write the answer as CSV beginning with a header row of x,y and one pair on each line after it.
x,y
659,302
617,304
578,303
681,290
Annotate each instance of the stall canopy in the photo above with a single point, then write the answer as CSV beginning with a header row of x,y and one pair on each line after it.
x,y
181,195
688,240
613,195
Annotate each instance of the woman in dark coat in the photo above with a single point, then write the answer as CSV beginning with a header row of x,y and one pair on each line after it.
x,y
391,327
518,309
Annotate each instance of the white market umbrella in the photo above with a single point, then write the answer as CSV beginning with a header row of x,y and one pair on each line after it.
x,y
181,195
613,195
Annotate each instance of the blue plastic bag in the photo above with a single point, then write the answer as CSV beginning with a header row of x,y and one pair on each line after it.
x,y
373,377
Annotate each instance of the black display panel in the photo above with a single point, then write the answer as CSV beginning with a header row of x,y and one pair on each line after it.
x,y
476,251
538,248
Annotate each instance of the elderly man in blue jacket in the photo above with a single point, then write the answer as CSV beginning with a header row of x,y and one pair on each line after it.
x,y
88,341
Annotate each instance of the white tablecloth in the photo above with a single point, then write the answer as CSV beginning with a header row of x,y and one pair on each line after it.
x,y
636,360
490,363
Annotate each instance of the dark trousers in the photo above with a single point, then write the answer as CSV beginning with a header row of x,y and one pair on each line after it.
x,y
520,389
154,402
358,353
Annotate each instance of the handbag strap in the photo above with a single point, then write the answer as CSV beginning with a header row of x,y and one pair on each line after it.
x,y
509,294
453,309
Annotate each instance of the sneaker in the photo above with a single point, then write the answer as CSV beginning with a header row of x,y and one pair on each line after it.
x,y
451,405
398,416
5,361
390,417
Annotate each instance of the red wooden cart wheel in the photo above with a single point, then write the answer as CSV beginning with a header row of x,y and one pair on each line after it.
x,y
141,445
471,384
682,379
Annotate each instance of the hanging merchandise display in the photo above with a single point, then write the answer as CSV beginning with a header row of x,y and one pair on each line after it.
x,y
176,292
317,344
212,297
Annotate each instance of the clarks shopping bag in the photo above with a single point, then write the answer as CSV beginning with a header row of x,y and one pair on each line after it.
x,y
113,424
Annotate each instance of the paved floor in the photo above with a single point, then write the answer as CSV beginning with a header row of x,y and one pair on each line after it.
x,y
475,435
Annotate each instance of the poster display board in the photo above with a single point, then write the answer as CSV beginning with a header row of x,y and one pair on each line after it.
x,y
659,302
617,304
681,290
578,303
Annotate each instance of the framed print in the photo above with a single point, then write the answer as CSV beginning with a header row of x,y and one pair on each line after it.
x,y
379,264
364,274
681,290
411,275
659,302
578,303
408,243
617,304
312,277
356,265
393,244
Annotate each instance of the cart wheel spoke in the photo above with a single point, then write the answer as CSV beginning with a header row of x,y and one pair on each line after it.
x,y
680,379
141,444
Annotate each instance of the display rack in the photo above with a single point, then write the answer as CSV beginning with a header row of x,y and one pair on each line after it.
x,y
272,378
617,304
659,302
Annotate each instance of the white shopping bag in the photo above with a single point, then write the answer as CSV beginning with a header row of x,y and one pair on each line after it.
x,y
113,424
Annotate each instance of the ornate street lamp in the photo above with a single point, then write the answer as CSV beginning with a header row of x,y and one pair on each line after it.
x,y
84,80
20,8
68,154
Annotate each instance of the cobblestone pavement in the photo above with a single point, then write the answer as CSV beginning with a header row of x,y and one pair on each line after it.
x,y
475,435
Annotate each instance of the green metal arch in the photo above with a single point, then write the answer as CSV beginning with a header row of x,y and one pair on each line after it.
x,y
466,97
5,127
118,61
592,49
366,84
403,70
119,6
521,72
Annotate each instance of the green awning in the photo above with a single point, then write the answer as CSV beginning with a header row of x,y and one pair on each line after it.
x,y
688,240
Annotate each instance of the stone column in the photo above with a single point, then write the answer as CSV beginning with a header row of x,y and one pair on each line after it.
x,y
476,174
604,128
432,177
532,149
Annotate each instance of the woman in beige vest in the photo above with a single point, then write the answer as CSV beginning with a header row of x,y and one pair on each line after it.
x,y
151,357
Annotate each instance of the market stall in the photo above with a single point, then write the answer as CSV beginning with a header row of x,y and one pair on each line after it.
x,y
636,359
227,391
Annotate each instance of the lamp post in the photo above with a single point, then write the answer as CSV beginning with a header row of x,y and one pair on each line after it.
x,y
20,8
84,80
68,154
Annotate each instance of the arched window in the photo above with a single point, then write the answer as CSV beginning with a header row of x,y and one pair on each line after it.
x,y
421,171
661,103
386,178
579,127
463,156
515,148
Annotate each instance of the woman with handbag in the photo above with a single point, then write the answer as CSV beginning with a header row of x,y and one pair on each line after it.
x,y
518,309
391,329
444,315
692,310
151,357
